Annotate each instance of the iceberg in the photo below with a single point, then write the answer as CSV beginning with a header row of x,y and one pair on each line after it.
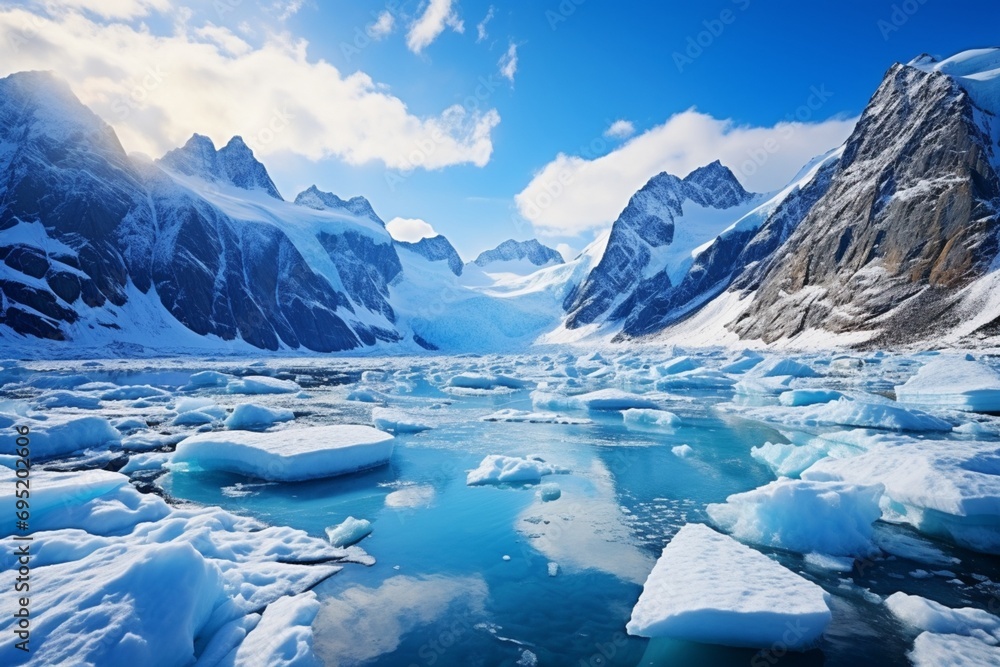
x,y
290,455
349,531
499,469
60,435
961,384
261,384
945,488
707,587
396,421
602,399
923,614
827,517
250,415
936,650
645,419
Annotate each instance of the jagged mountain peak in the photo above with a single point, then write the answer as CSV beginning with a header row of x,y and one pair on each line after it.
x,y
436,248
317,199
234,163
530,251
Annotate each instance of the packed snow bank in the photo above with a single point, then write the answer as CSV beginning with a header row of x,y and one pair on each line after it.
x,y
946,488
397,421
140,606
707,587
602,399
290,455
499,469
249,415
959,383
923,614
283,637
934,650
261,384
60,435
349,531
645,419
826,517
858,413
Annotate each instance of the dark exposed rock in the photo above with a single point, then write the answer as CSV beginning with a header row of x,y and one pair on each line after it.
x,y
436,249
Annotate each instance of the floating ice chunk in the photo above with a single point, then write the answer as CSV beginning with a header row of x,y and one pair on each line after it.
x,y
411,496
749,359
193,418
479,381
209,379
397,421
510,415
648,419
148,461
698,378
858,413
923,614
550,491
682,451
284,636
367,395
553,569
129,424
786,460
261,384
190,403
758,386
828,562
58,435
68,399
707,587
934,650
800,397
959,383
784,366
829,517
350,531
289,455
499,469
846,365
134,392
142,442
945,488
678,365
527,659
602,399
250,415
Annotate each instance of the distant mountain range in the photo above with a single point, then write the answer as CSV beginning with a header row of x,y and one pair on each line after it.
x,y
890,239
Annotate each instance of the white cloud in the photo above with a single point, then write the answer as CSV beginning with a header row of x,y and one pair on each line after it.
x,y
409,229
286,9
572,194
111,9
567,251
508,63
438,15
481,33
620,129
384,24
209,80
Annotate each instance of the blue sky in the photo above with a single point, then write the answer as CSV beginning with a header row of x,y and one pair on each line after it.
x,y
694,81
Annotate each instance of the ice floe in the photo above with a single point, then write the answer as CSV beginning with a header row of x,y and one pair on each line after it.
x,y
500,469
959,383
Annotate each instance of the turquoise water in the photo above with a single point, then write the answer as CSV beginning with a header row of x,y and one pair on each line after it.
x,y
441,592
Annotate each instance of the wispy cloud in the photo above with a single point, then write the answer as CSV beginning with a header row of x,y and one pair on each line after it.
x,y
573,194
620,129
384,25
182,79
481,33
438,15
508,63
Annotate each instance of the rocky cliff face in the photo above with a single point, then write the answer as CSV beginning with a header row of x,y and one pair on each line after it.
x,y
650,239
909,218
87,230
436,249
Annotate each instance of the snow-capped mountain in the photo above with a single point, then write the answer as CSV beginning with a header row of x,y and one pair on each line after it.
x,y
436,249
196,248
518,257
653,242
892,238
898,247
